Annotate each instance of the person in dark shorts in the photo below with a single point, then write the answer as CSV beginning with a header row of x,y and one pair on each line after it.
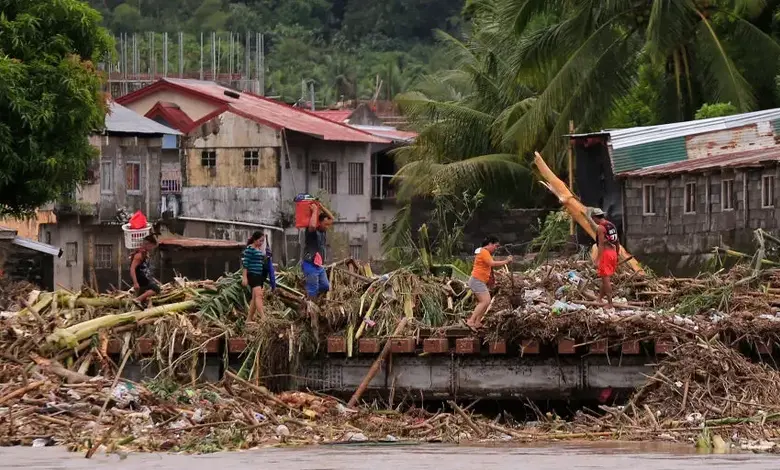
x,y
144,284
255,272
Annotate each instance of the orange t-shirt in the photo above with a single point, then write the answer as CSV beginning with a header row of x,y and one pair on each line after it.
x,y
482,267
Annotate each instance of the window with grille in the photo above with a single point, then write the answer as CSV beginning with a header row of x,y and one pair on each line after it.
x,y
356,179
251,159
71,252
133,175
104,256
208,159
727,195
356,252
689,200
768,191
648,199
106,177
328,177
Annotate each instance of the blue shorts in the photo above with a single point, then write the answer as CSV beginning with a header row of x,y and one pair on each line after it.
x,y
316,279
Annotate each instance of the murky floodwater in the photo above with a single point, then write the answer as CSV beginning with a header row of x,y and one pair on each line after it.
x,y
648,457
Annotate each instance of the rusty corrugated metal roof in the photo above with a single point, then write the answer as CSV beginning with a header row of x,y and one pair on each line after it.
x,y
172,114
731,160
199,243
262,110
335,115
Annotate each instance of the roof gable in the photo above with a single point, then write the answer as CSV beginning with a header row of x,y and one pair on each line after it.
x,y
259,109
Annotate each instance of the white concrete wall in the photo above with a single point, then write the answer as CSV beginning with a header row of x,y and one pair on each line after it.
x,y
68,274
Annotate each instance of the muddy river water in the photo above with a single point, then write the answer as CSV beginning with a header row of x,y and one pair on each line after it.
x,y
628,456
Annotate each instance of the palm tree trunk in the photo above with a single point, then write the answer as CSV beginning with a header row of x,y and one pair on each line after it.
x,y
575,208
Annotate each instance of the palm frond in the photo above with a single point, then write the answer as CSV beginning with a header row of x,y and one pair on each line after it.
x,y
728,84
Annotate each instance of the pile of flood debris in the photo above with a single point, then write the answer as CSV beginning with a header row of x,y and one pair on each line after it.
x,y
59,382
45,406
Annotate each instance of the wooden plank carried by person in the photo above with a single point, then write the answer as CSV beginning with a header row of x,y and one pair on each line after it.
x,y
576,209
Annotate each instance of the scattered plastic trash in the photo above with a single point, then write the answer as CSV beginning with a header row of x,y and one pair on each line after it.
x,y
282,431
560,306
260,417
43,442
124,394
532,295
573,278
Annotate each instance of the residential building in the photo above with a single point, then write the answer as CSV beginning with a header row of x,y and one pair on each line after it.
x,y
383,168
246,157
138,169
24,259
680,189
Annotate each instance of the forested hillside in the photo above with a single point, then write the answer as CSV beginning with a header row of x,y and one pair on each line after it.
x,y
342,45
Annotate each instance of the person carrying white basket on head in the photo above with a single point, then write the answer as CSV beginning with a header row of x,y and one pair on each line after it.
x,y
144,284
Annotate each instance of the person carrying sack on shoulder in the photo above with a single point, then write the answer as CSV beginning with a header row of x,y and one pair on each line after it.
x,y
314,258
607,259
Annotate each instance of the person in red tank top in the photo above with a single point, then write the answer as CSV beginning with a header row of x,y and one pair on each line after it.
x,y
607,258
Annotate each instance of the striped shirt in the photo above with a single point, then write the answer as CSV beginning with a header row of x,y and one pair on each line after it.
x,y
254,260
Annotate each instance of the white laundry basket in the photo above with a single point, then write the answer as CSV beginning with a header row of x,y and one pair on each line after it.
x,y
134,238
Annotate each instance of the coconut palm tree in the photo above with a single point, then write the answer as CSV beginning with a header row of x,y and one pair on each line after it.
x,y
462,116
590,55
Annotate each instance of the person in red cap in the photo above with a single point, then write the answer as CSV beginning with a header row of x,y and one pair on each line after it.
x,y
607,258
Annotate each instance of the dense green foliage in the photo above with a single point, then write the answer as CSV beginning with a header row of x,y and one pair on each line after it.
x,y
527,68
50,98
340,45
716,110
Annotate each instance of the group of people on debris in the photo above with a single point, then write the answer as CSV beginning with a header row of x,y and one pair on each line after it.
x,y
258,268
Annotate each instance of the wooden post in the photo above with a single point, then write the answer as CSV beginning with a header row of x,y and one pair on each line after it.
x,y
571,171
377,364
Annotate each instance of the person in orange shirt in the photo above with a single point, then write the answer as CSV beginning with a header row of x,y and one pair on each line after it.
x,y
480,277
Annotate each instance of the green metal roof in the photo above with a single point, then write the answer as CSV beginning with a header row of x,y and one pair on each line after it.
x,y
648,154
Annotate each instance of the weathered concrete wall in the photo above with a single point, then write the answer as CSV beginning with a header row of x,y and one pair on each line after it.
x,y
230,135
256,205
29,227
68,269
118,153
671,238
192,107
739,139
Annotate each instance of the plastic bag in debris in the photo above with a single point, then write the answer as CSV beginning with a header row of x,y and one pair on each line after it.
x,y
124,394
198,416
355,437
573,278
43,442
560,306
532,295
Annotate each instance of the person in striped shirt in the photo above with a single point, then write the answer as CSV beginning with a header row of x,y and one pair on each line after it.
x,y
255,272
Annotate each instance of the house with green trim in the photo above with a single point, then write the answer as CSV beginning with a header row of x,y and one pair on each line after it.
x,y
678,190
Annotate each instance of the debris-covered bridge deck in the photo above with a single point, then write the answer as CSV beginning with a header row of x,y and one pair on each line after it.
x,y
455,366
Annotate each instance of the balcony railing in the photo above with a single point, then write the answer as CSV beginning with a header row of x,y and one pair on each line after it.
x,y
170,182
381,187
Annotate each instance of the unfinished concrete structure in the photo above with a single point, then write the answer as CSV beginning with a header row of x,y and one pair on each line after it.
x,y
678,190
245,157
137,169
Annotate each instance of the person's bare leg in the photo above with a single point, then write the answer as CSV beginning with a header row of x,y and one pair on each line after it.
x,y
606,283
483,301
141,299
257,292
251,315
